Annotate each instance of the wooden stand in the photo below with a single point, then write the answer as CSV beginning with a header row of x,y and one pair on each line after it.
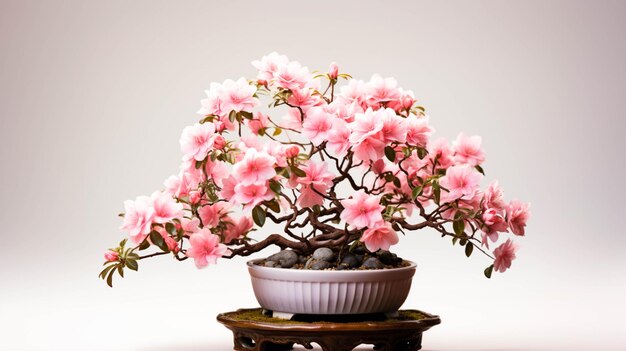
x,y
253,330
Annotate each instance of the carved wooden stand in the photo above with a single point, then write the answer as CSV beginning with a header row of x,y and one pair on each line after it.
x,y
331,333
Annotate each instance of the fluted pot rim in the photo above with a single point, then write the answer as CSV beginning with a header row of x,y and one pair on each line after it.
x,y
386,274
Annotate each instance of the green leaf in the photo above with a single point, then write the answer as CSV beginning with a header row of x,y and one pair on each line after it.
x,y
469,248
157,240
132,264
232,116
480,169
144,245
396,182
258,215
170,228
120,270
132,256
488,271
297,171
273,205
436,192
459,227
246,114
417,191
390,153
110,278
275,186
106,270
421,153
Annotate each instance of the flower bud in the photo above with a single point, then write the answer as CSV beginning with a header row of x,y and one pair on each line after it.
x,y
407,102
219,126
111,256
292,151
333,71
194,196
219,142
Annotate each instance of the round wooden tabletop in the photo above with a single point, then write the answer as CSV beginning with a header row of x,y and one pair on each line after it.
x,y
254,330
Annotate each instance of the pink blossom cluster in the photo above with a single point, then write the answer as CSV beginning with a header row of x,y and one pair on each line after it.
x,y
367,136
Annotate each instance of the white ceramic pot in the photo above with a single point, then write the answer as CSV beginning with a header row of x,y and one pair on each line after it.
x,y
291,291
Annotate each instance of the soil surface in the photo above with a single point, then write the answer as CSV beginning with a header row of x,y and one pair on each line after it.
x,y
327,259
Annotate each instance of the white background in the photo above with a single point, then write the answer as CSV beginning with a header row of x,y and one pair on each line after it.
x,y
94,95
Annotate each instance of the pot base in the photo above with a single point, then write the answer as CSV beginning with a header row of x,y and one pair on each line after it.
x,y
254,330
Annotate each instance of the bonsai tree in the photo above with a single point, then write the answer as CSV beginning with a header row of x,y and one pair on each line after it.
x,y
335,165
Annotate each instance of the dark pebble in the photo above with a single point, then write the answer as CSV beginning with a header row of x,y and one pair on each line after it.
x,y
373,263
318,265
323,254
285,258
351,261
389,258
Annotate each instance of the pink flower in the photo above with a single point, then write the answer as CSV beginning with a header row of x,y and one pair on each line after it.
x,y
211,214
338,137
353,92
212,105
269,65
238,96
394,126
165,207
381,90
418,131
260,121
317,178
252,195
111,256
366,140
219,142
505,254
292,120
333,71
362,210
189,226
517,214
237,229
493,197
461,181
494,223
138,218
205,248
316,125
216,171
256,166
371,149
366,125
467,150
381,236
304,99
440,151
292,76
197,140
228,188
